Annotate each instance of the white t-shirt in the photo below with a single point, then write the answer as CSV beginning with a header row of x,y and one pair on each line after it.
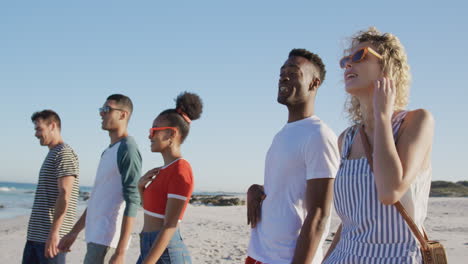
x,y
302,150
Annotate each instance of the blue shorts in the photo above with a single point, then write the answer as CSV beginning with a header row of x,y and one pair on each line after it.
x,y
175,253
34,253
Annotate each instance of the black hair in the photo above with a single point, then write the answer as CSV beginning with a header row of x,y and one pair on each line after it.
x,y
48,116
188,104
122,100
313,58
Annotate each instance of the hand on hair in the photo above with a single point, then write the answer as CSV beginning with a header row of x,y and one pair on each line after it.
x,y
384,98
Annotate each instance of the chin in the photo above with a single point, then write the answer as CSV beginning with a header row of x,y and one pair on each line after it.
x,y
154,148
354,89
282,100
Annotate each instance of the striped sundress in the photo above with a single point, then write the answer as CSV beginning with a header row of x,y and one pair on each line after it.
x,y
371,231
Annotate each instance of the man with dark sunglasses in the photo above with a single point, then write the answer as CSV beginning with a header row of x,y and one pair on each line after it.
x,y
289,215
114,199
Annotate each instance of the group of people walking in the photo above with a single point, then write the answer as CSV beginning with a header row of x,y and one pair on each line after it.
x,y
383,158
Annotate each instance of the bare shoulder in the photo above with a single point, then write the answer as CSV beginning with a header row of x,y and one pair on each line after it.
x,y
420,115
419,119
342,137
417,122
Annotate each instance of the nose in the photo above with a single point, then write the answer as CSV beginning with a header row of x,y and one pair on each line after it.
x,y
101,113
283,79
348,64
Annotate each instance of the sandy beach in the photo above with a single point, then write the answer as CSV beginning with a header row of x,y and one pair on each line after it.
x,y
220,234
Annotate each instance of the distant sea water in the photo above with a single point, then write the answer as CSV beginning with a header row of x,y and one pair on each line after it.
x,y
17,198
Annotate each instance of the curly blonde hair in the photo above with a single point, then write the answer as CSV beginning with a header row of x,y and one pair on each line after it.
x,y
394,65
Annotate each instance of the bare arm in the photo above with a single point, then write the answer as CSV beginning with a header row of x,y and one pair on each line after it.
x,y
318,198
396,167
337,236
174,208
125,233
65,186
255,197
67,241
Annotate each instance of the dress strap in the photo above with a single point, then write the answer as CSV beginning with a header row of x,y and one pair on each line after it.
x,y
350,135
397,120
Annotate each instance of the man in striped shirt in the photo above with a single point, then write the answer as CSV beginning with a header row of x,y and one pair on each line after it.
x,y
54,208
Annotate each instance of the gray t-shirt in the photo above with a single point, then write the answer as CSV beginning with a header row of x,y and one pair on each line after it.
x,y
60,161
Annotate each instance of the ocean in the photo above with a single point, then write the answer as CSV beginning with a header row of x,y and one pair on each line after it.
x,y
17,198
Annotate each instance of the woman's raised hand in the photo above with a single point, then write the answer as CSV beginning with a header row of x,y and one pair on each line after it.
x,y
384,98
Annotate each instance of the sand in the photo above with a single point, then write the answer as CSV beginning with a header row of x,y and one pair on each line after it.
x,y
220,234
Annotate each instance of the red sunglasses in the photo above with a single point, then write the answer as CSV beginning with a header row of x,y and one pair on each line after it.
x,y
358,56
153,129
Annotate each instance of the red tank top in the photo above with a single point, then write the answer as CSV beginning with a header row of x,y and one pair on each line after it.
x,y
173,181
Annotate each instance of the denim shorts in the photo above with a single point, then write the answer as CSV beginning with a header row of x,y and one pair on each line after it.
x,y
175,253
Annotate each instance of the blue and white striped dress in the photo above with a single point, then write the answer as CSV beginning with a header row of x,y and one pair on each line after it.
x,y
371,231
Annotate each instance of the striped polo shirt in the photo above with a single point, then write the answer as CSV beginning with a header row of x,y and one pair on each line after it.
x,y
60,161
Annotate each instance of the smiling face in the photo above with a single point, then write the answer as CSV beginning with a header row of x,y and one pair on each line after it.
x,y
44,131
161,139
296,78
359,76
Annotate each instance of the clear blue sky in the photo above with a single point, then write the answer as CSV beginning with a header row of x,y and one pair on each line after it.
x,y
70,55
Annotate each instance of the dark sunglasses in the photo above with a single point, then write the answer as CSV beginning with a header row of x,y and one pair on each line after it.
x,y
153,129
358,56
107,109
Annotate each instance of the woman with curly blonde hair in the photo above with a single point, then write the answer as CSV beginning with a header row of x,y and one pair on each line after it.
x,y
376,76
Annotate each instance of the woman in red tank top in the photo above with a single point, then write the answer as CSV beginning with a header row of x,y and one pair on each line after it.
x,y
165,191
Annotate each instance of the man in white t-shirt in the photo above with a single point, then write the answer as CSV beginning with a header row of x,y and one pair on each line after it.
x,y
289,215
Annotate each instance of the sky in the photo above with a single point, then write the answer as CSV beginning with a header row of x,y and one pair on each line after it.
x,y
70,55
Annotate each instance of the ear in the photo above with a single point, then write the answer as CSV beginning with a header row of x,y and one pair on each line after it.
x,y
170,134
53,126
314,85
123,115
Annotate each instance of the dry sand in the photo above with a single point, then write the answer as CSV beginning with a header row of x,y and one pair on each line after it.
x,y
220,234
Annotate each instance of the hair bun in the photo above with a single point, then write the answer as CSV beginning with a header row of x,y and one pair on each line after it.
x,y
191,104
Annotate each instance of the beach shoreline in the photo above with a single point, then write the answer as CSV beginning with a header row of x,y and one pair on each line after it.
x,y
220,234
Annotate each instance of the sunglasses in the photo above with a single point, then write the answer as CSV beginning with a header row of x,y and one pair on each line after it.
x,y
358,56
153,129
107,109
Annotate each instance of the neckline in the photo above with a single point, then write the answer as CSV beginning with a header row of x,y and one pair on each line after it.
x,y
120,140
174,161
312,117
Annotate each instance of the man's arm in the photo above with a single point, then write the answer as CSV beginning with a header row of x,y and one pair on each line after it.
x,y
125,232
67,240
65,186
129,163
318,198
